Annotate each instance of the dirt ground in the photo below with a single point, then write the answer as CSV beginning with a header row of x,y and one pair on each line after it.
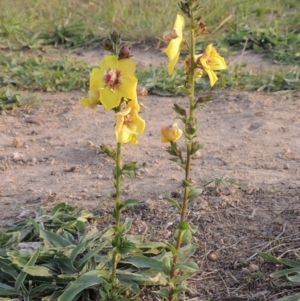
x,y
48,154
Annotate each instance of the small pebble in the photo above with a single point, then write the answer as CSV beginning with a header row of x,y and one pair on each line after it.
x,y
17,142
286,166
212,256
253,267
17,156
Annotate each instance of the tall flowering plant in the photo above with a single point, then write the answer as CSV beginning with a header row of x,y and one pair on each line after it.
x,y
113,85
195,65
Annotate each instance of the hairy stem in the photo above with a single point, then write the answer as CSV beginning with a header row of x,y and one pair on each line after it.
x,y
117,238
189,140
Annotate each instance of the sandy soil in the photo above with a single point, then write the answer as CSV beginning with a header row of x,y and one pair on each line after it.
x,y
48,154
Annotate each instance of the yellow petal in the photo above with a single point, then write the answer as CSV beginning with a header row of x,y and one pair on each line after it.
x,y
133,103
96,79
124,136
179,25
128,125
173,49
110,99
217,63
137,124
124,112
109,62
128,86
127,66
212,77
172,64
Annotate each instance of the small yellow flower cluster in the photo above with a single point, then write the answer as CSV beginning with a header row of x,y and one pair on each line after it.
x,y
208,61
113,84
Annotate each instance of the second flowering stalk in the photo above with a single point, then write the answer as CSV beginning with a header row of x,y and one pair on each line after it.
x,y
195,65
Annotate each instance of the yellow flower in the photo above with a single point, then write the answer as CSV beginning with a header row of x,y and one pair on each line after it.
x,y
175,38
94,96
170,133
128,125
210,61
114,79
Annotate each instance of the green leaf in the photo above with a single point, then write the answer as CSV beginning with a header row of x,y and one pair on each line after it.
x,y
186,252
63,263
52,239
6,290
127,203
127,225
294,278
268,257
290,263
186,236
129,166
144,262
9,270
184,226
164,292
181,289
128,174
43,289
78,250
188,266
171,248
39,271
83,282
168,263
173,202
90,254
285,272
62,207
20,279
194,192
186,183
295,297
9,240
196,146
178,109
139,278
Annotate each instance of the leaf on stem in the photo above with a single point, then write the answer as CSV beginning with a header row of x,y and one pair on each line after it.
x,y
196,146
194,192
188,267
130,166
174,203
179,110
108,151
127,203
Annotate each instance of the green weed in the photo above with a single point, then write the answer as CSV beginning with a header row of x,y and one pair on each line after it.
x,y
39,74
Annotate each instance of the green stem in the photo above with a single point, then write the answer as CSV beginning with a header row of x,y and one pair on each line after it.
x,y
118,234
191,85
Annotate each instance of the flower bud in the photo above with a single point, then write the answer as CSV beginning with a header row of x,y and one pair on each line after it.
x,y
185,8
107,44
115,37
170,133
191,127
124,52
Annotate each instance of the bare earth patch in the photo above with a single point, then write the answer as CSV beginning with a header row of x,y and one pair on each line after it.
x,y
49,154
